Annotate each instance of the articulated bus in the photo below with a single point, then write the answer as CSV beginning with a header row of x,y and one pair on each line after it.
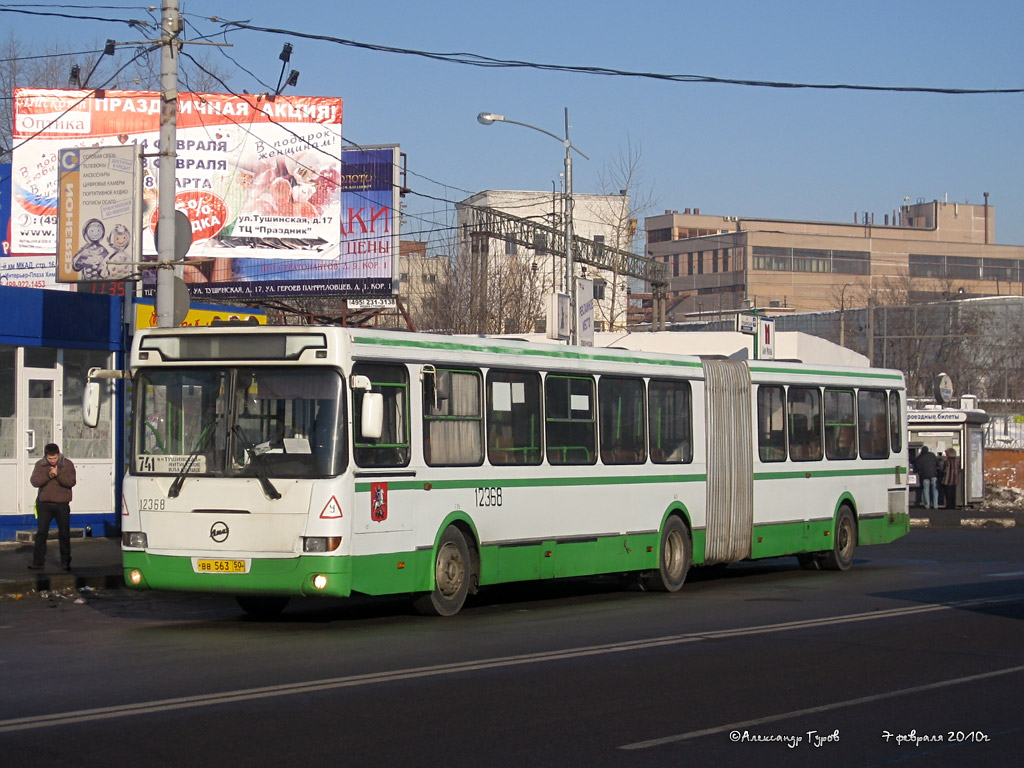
x,y
270,462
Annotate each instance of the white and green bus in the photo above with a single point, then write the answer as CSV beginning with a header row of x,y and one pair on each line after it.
x,y
270,462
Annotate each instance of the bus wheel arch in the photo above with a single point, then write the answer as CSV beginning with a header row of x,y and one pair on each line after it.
x,y
675,556
454,573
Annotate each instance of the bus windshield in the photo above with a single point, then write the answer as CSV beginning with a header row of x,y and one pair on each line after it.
x,y
240,421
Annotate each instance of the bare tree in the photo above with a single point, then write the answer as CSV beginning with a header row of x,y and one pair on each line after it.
x,y
623,177
477,291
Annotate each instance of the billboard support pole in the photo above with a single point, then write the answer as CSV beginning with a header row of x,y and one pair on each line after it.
x,y
170,25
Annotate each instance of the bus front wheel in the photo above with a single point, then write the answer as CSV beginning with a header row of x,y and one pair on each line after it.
x,y
452,575
673,558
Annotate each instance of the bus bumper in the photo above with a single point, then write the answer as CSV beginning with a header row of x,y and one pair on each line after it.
x,y
302,575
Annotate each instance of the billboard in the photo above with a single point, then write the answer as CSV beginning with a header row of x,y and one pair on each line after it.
x,y
99,213
21,271
5,209
199,315
261,180
369,238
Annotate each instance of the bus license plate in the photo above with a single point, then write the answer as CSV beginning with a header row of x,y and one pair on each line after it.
x,y
221,566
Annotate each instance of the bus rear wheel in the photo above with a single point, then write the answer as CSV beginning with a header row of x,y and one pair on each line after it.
x,y
262,607
674,558
452,574
844,543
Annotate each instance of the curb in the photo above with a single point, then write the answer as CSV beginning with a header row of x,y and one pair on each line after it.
x,y
965,522
60,582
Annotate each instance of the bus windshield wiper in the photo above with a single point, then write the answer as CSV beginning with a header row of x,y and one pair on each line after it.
x,y
256,461
179,480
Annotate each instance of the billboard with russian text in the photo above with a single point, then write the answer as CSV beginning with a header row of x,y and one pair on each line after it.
x,y
98,216
32,271
261,180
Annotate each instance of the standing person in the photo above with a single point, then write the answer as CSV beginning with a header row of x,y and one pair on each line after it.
x,y
927,466
951,477
54,476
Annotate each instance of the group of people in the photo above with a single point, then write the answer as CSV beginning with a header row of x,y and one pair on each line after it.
x,y
934,470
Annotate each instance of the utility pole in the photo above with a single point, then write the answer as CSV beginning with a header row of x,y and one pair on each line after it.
x,y
570,276
170,26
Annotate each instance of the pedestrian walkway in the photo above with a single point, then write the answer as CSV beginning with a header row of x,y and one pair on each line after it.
x,y
966,518
95,563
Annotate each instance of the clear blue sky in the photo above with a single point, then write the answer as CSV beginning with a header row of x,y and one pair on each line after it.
x,y
727,149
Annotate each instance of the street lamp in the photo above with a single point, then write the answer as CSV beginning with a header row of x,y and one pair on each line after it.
x,y
842,314
488,118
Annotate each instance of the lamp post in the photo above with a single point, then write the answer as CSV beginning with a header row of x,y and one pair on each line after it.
x,y
488,118
842,315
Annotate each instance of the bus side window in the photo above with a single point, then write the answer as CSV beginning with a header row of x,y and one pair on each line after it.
x,y
391,449
771,423
452,418
896,422
804,423
513,417
621,417
840,429
569,419
670,423
871,424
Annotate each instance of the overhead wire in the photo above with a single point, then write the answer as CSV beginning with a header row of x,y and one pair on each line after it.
x,y
473,59
478,60
80,16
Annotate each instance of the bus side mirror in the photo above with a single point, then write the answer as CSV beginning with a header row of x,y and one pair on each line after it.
x,y
91,403
371,418
92,393
371,423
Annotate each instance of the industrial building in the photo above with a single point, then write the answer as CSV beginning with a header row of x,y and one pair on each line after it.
x,y
923,251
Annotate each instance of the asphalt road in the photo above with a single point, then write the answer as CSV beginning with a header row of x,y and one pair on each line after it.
x,y
915,657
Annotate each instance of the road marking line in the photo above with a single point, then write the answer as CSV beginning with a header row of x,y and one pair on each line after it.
x,y
822,708
374,678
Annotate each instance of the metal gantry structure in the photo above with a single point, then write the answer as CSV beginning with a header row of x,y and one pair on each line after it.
x,y
541,237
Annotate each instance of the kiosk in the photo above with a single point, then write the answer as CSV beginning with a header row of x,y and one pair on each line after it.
x,y
960,428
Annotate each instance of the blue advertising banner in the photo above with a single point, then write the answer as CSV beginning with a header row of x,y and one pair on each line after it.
x,y
369,242
5,209
19,271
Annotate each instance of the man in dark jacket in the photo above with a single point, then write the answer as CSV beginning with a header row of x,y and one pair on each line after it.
x,y
54,476
927,466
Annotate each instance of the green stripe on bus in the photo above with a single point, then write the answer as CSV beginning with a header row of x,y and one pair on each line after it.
x,y
557,353
858,374
541,482
555,482
553,352
809,472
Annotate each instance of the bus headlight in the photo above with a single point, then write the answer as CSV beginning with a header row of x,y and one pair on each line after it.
x,y
320,581
134,539
320,543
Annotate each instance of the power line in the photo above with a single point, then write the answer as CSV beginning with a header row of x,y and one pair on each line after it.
x,y
478,60
79,17
49,56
